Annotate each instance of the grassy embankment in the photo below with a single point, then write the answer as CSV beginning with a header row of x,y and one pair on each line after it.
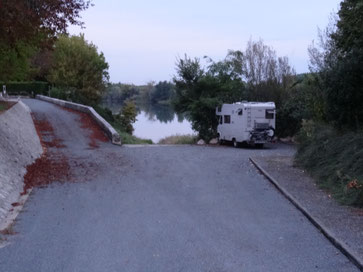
x,y
127,138
179,139
334,159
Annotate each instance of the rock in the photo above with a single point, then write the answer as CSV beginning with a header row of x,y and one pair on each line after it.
x,y
286,140
213,141
201,142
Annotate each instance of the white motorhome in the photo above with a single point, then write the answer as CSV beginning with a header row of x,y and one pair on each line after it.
x,y
246,122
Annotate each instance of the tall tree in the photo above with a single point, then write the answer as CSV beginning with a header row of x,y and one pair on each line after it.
x,y
27,26
79,68
199,92
31,20
338,66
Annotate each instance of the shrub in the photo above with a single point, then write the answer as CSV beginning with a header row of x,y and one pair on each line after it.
x,y
105,112
335,159
59,93
127,116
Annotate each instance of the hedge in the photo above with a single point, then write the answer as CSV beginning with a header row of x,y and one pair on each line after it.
x,y
26,88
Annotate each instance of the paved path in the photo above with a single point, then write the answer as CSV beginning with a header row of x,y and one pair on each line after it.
x,y
171,208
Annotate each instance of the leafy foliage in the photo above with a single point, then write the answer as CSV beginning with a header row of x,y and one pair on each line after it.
x,y
14,62
338,66
78,69
199,92
29,27
37,21
128,116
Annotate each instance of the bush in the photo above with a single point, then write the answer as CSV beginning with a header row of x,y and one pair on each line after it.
x,y
105,112
59,93
335,159
127,116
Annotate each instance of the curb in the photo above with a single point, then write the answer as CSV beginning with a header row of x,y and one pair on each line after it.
x,y
343,247
10,218
106,127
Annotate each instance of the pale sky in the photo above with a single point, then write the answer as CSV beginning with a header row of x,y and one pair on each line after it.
x,y
142,39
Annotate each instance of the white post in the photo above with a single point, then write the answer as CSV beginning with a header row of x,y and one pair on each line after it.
x,y
4,90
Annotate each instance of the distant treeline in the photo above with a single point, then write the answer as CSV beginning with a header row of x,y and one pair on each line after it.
x,y
162,93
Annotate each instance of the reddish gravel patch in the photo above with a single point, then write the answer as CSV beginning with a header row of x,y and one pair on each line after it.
x,y
88,123
45,170
52,165
46,133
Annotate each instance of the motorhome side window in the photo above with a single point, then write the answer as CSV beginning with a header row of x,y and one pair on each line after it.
x,y
221,120
227,119
269,114
240,111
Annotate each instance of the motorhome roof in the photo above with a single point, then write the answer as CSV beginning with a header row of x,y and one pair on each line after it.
x,y
256,104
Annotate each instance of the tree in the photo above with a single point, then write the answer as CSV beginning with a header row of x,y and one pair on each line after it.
x,y
38,20
14,62
199,92
268,77
29,26
128,116
79,69
163,91
337,64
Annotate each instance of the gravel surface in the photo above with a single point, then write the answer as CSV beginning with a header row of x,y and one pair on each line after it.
x,y
162,208
346,223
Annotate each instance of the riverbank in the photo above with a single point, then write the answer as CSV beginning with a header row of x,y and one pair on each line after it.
x,y
127,138
179,139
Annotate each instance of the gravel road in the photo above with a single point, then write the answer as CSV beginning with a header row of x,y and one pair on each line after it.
x,y
161,208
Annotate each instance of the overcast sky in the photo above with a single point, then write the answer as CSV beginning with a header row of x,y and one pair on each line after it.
x,y
141,39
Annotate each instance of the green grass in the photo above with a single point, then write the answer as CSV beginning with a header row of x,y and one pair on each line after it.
x,y
2,107
334,159
127,138
179,139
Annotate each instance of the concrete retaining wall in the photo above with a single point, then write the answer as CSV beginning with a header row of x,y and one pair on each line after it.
x,y
19,146
110,131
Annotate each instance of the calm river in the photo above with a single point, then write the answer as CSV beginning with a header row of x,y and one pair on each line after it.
x,y
157,121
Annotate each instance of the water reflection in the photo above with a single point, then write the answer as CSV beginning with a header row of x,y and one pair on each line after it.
x,y
155,121
160,112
